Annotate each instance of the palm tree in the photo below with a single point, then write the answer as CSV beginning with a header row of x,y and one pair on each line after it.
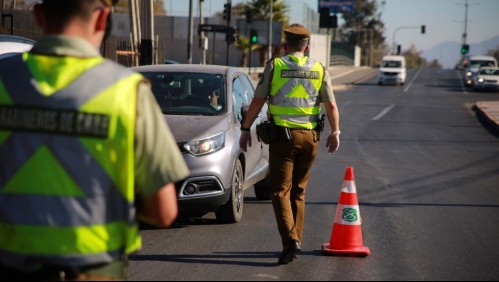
x,y
261,11
243,44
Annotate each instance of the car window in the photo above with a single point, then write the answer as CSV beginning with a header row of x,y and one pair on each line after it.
x,y
242,95
489,71
483,63
186,93
391,64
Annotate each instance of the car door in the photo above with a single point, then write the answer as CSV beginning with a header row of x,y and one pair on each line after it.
x,y
243,92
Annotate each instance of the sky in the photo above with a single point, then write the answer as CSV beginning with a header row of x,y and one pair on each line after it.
x,y
443,19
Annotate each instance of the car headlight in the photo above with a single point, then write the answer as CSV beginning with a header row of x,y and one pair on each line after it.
x,y
206,145
469,73
480,80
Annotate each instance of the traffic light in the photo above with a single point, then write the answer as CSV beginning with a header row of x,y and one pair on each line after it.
x,y
232,34
227,12
253,36
249,16
465,49
399,49
326,20
423,29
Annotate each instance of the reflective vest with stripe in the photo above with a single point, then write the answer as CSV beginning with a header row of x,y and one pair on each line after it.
x,y
67,163
294,93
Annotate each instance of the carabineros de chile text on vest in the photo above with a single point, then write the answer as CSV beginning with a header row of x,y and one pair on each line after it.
x,y
64,122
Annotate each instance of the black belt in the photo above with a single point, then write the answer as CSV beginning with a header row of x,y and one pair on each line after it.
x,y
55,273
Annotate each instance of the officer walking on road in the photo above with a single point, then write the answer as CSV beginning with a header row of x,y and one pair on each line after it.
x,y
295,86
84,151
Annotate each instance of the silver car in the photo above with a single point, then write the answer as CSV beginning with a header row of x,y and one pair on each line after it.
x,y
11,45
204,107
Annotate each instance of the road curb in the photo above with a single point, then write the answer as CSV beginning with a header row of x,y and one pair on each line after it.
x,y
488,113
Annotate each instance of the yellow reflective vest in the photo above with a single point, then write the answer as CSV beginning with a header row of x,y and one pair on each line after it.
x,y
294,93
66,161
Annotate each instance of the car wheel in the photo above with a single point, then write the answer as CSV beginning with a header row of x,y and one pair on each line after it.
x,y
232,211
262,190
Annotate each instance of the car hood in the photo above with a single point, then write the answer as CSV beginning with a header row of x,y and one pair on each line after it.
x,y
390,70
185,128
489,77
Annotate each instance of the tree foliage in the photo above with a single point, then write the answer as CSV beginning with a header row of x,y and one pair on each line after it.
x,y
365,19
494,53
413,58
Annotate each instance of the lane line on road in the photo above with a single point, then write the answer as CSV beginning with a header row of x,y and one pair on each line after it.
x,y
384,112
342,74
412,81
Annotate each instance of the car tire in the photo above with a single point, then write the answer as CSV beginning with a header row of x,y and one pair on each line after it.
x,y
232,211
262,190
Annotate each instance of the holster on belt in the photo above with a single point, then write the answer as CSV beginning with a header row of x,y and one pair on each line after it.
x,y
320,126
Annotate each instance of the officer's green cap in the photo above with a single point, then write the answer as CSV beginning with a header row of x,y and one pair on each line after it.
x,y
296,32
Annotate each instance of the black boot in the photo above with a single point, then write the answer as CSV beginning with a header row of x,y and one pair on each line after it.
x,y
290,252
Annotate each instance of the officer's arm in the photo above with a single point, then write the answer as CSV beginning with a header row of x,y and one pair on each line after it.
x,y
253,111
159,209
158,163
333,116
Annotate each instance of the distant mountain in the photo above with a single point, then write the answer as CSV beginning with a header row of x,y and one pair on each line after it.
x,y
448,55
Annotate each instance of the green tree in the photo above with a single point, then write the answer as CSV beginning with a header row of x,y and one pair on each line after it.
x,y
243,44
158,7
261,11
494,53
413,58
364,26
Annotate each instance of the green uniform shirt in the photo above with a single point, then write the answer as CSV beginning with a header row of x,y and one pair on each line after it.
x,y
263,88
157,158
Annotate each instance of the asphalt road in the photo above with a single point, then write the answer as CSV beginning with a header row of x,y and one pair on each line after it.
x,y
427,174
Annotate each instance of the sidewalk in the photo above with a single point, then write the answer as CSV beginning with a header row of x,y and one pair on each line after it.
x,y
488,111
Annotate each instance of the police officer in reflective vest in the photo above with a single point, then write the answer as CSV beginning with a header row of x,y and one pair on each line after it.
x,y
84,151
294,86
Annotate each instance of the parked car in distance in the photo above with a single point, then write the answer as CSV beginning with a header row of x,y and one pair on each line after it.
x,y
392,70
475,63
487,78
204,106
11,45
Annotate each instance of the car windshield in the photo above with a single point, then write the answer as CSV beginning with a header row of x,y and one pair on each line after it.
x,y
482,63
489,72
391,64
186,93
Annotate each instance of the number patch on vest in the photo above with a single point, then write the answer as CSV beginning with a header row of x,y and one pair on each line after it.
x,y
300,74
62,122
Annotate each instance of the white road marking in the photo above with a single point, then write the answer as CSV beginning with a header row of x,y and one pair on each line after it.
x,y
384,112
412,81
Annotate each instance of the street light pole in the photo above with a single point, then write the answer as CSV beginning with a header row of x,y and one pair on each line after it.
x,y
395,32
270,27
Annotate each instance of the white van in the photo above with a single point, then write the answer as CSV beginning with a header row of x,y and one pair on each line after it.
x,y
392,70
475,63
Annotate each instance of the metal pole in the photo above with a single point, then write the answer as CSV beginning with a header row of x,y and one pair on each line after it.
x,y
189,34
270,27
227,34
147,42
202,36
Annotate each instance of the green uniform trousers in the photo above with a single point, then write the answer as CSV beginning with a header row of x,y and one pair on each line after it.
x,y
290,164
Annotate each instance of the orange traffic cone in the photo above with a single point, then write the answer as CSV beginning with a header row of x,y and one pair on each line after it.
x,y
346,236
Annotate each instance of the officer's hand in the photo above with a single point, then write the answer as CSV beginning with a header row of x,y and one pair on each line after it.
x,y
333,142
244,140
